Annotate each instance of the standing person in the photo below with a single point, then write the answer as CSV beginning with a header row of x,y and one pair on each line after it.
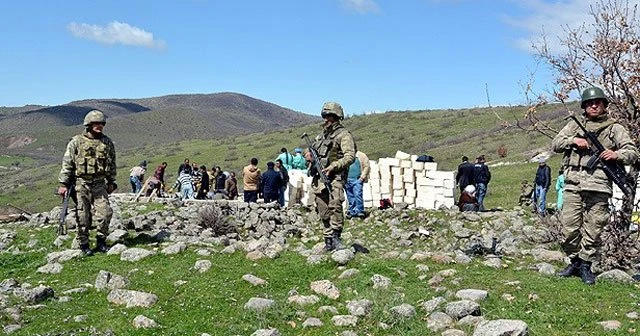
x,y
542,183
231,186
184,165
270,184
560,188
220,181
336,150
136,176
251,181
89,162
481,177
465,174
284,176
298,160
204,183
286,158
587,191
356,177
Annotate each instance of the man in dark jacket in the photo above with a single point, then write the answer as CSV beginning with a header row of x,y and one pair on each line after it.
x,y
481,177
542,183
284,174
464,176
270,184
204,183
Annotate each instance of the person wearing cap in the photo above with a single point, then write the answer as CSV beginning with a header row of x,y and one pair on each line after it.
x,y
542,181
336,150
298,160
270,184
89,164
136,176
481,177
587,190
467,200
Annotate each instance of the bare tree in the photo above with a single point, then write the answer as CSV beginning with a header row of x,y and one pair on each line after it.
x,y
606,53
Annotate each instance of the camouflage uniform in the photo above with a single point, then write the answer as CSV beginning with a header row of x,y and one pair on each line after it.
x,y
336,150
587,192
90,163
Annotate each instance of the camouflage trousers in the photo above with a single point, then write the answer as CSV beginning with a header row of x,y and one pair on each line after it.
x,y
584,215
330,208
94,195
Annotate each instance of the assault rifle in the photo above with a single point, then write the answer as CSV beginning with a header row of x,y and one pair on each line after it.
x,y
613,169
71,191
316,165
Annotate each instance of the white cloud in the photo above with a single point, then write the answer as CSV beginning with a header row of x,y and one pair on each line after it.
x,y
552,17
116,33
362,6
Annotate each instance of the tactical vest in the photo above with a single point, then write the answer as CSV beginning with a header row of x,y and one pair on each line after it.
x,y
91,158
328,146
580,157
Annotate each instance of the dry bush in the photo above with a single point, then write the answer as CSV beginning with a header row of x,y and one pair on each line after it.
x,y
502,151
620,248
212,217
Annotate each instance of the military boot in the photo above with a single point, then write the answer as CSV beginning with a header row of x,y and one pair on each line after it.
x,y
337,242
328,244
101,245
585,273
86,250
573,269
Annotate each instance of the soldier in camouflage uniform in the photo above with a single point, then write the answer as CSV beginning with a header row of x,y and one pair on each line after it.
x,y
336,150
90,163
587,192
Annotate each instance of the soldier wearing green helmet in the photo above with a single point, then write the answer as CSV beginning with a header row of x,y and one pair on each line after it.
x,y
89,163
336,150
585,209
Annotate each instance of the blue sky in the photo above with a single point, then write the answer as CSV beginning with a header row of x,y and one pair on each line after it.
x,y
369,55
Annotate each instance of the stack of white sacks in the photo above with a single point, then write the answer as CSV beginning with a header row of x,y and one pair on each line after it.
x,y
400,179
618,195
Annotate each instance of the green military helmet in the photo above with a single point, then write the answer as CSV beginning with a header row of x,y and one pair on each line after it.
x,y
94,116
332,108
591,94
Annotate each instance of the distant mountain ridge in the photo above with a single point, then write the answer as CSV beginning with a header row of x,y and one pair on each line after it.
x,y
162,119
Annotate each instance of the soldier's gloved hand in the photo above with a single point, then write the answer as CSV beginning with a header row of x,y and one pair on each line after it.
x,y
111,187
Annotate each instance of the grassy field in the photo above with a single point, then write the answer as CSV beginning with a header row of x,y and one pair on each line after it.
x,y
213,302
444,134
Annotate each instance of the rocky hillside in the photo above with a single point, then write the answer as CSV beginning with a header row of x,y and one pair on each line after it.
x,y
260,270
149,120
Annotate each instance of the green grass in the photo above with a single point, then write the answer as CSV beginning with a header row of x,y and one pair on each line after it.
x,y
213,302
444,134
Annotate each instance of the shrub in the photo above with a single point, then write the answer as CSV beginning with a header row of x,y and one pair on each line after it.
x,y
502,151
212,217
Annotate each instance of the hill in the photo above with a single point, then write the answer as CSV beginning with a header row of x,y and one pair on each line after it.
x,y
444,134
35,129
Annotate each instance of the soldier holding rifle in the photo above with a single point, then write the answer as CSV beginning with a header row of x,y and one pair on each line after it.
x,y
90,163
330,155
589,173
